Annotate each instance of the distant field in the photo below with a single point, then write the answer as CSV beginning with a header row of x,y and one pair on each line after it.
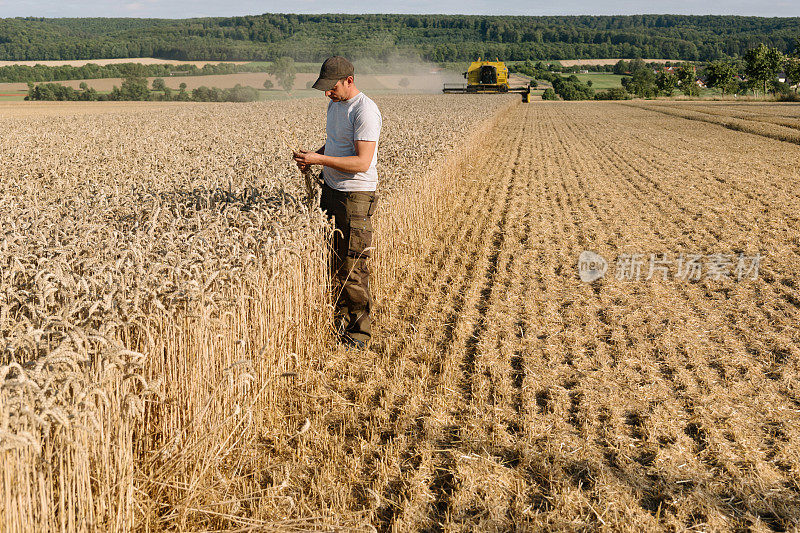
x,y
361,66
431,83
75,110
601,80
142,60
573,62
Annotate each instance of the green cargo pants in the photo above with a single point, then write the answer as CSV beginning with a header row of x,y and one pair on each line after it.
x,y
350,266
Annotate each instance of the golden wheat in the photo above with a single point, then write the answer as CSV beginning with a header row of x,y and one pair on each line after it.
x,y
164,300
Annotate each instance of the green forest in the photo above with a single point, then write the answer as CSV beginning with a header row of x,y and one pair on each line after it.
x,y
36,73
436,38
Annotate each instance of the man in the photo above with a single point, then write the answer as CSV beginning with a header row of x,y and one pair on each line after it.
x,y
348,158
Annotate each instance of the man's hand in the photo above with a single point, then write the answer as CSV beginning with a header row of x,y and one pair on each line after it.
x,y
305,159
352,164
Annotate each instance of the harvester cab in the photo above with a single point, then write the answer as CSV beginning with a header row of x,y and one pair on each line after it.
x,y
487,77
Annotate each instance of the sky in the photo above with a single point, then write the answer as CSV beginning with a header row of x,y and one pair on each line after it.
x,y
206,8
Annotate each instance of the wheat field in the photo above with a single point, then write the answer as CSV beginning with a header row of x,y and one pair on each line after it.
x,y
164,298
166,321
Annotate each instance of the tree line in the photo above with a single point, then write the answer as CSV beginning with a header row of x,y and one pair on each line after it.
x,y
763,70
311,38
136,89
90,71
134,86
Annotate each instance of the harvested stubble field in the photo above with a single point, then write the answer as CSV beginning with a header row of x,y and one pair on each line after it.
x,y
503,393
780,121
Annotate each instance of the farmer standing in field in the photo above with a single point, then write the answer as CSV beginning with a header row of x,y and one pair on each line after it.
x,y
348,157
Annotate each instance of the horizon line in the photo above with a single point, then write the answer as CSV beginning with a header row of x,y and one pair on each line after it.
x,y
400,14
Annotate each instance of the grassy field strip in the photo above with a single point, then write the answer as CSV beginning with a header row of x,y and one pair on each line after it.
x,y
601,80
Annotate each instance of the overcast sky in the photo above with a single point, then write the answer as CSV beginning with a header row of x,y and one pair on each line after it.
x,y
205,8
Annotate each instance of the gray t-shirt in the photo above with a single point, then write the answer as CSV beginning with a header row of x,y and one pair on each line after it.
x,y
356,119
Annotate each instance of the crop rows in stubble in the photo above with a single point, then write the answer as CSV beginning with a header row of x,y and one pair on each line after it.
x,y
509,394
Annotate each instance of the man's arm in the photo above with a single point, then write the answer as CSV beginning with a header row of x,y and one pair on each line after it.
x,y
360,162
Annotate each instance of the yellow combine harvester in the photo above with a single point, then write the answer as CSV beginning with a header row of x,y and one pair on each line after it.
x,y
487,77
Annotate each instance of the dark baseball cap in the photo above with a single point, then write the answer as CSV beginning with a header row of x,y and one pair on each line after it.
x,y
333,69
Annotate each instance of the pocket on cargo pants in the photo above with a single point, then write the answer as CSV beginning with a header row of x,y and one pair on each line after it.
x,y
355,300
360,207
356,268
360,241
355,284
